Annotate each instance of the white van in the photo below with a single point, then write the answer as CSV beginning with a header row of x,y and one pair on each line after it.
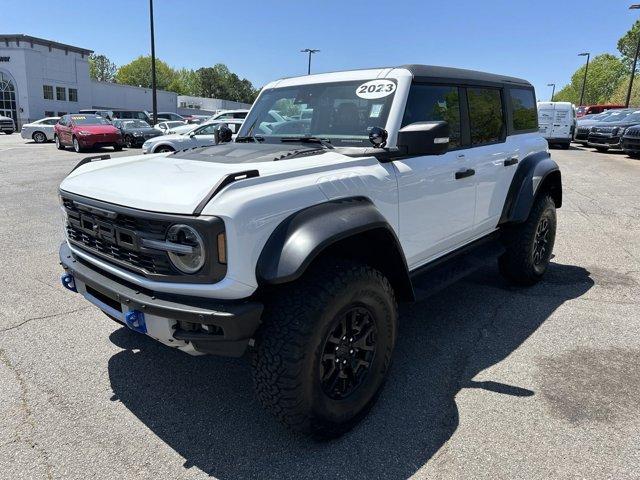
x,y
557,122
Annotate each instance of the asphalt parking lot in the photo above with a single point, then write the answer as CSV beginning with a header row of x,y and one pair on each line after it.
x,y
489,381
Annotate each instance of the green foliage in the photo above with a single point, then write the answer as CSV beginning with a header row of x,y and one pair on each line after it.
x,y
605,74
219,82
628,43
101,68
138,73
213,82
619,96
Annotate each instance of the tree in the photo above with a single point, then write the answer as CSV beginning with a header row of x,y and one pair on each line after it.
x,y
101,68
138,73
219,82
606,73
628,43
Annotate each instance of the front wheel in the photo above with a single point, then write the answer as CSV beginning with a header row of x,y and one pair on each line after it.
x,y
324,349
128,141
7,132
529,245
164,149
76,145
117,148
59,144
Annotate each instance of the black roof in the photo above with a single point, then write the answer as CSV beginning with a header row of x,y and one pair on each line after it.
x,y
431,73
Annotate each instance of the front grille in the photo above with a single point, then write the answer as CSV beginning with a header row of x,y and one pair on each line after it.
x,y
6,123
118,239
632,132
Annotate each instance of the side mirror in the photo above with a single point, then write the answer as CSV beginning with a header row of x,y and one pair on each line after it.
x,y
222,133
424,138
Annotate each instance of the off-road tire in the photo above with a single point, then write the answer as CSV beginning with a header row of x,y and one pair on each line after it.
x,y
518,264
292,342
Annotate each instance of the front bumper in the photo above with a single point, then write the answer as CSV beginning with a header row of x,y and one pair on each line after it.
x,y
605,141
97,141
631,144
193,324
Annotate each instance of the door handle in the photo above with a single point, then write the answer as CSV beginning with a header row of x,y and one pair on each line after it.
x,y
465,173
510,161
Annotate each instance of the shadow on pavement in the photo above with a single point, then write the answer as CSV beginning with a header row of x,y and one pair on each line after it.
x,y
203,407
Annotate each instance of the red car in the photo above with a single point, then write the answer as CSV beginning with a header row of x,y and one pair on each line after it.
x,y
83,131
593,109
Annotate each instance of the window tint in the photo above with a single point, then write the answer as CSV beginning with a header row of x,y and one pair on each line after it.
x,y
523,109
485,115
430,103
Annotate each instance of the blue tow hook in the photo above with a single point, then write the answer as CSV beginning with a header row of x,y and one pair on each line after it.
x,y
68,282
135,321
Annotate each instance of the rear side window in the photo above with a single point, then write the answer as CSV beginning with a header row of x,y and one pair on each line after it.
x,y
431,103
523,109
486,119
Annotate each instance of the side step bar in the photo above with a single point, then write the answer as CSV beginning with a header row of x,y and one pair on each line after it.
x,y
441,273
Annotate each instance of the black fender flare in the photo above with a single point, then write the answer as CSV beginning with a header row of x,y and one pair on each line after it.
x,y
536,172
304,235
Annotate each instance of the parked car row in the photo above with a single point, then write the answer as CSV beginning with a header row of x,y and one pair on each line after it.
x,y
7,125
84,131
617,129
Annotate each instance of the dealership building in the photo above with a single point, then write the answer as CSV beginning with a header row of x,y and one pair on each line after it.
x,y
42,78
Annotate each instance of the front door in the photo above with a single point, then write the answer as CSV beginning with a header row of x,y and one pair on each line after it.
x,y
437,192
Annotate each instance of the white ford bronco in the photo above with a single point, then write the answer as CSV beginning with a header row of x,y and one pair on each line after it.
x,y
295,242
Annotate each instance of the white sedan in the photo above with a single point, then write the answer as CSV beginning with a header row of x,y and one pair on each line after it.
x,y
40,131
202,136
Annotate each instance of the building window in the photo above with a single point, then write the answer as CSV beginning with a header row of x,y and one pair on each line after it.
x,y
73,94
183,104
61,93
47,91
49,113
60,114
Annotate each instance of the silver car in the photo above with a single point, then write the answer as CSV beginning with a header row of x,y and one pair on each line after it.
x,y
40,131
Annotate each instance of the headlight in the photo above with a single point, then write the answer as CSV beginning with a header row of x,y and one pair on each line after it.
x,y
84,132
137,134
192,258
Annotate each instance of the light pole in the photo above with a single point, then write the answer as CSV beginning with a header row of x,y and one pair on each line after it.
x,y
310,51
584,80
553,91
154,98
635,6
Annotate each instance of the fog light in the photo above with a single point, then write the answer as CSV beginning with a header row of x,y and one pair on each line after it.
x,y
135,321
68,282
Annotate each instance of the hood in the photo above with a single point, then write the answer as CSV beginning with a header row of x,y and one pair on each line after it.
x,y
97,128
178,182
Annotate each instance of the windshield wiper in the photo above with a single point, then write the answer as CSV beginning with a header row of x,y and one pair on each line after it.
x,y
249,138
326,143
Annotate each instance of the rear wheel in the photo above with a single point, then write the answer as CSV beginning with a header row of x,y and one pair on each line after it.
x,y
529,245
59,144
128,140
39,137
324,349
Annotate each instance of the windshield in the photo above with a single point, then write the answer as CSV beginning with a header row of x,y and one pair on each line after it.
x,y
135,124
633,117
89,120
616,117
342,113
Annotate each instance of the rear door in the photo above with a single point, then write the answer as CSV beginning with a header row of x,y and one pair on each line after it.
x,y
562,122
546,117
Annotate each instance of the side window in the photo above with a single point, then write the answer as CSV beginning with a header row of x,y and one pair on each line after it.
x,y
207,130
430,103
486,120
224,116
523,109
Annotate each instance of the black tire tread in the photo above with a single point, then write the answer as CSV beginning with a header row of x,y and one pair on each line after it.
x,y
282,341
515,264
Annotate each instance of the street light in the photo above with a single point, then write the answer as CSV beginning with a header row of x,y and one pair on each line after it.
x,y
584,81
553,92
309,51
154,98
635,6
